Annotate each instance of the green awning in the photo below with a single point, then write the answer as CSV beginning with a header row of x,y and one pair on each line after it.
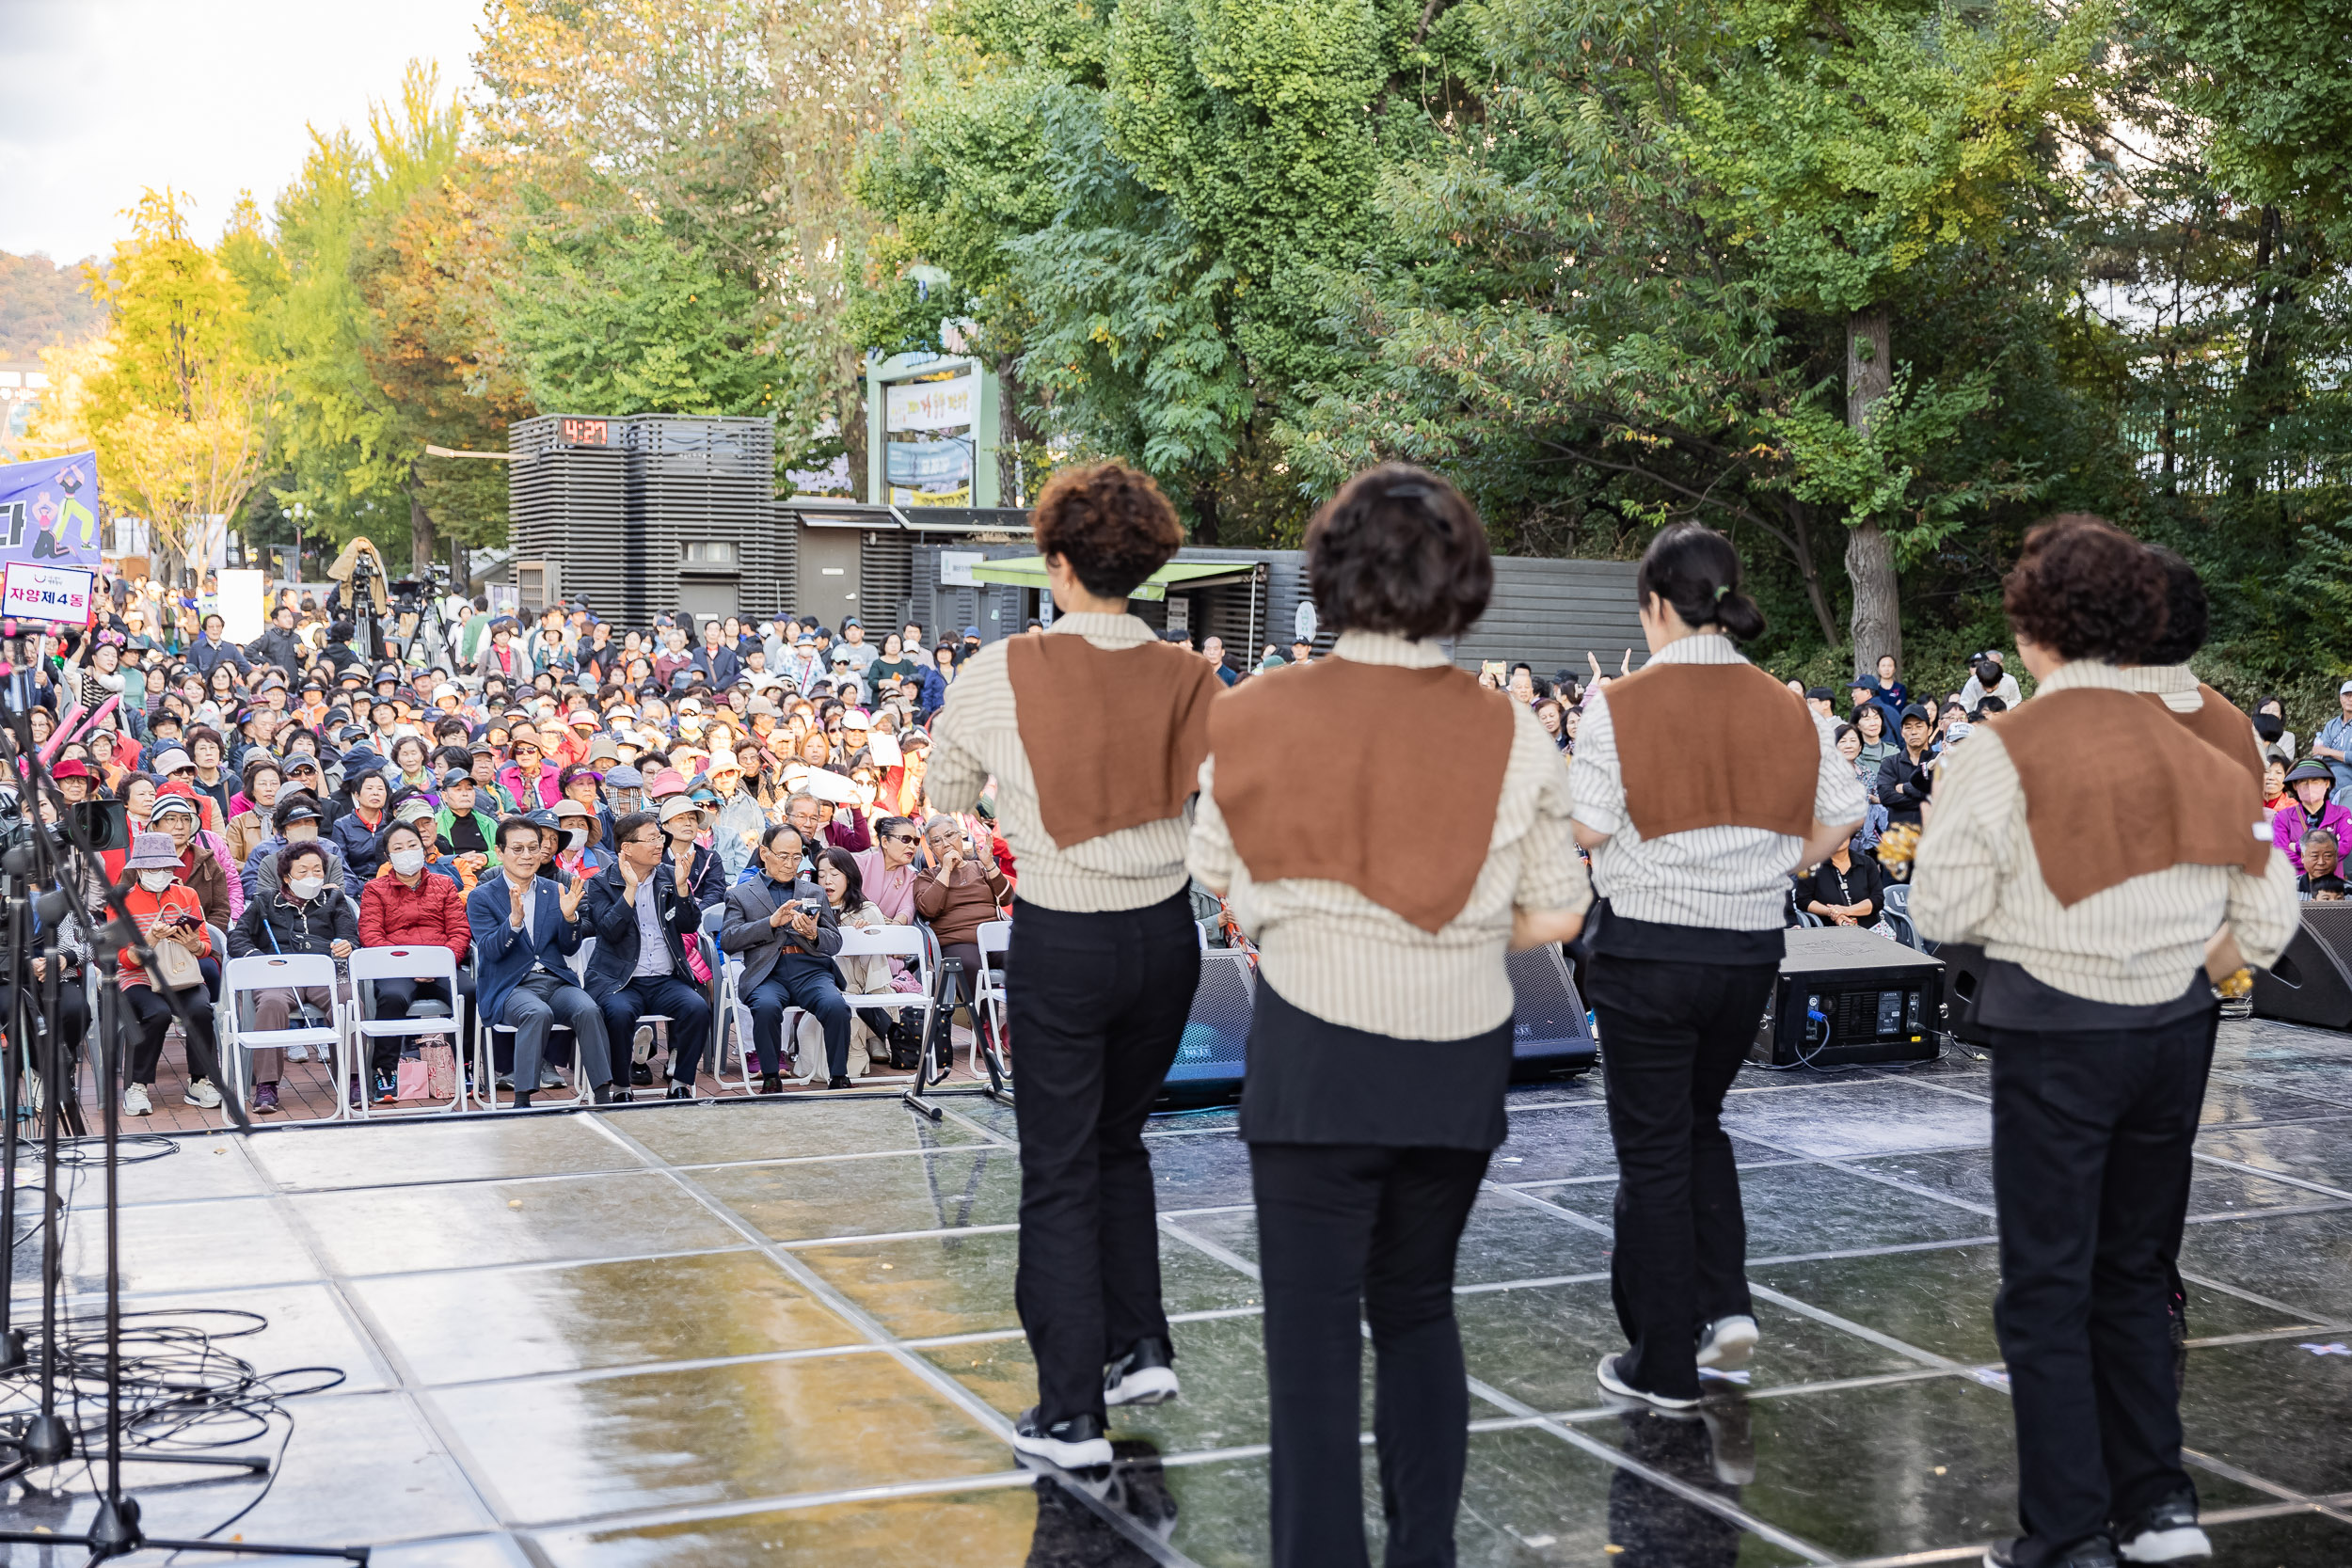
x,y
1028,571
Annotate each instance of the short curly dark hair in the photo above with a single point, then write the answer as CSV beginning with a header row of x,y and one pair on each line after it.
x,y
1399,549
1110,522
2085,589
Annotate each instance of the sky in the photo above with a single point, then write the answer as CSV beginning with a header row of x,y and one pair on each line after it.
x,y
104,98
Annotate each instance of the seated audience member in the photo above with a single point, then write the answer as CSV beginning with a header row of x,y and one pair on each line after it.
x,y
782,928
694,866
405,905
963,891
165,908
1845,889
871,975
2321,858
525,927
304,912
2313,810
888,872
2332,744
643,923
1907,778
2275,796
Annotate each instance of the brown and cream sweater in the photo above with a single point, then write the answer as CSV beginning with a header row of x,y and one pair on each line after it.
x,y
2083,839
1379,886
1093,731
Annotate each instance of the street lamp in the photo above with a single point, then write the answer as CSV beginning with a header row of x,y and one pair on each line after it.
x,y
297,512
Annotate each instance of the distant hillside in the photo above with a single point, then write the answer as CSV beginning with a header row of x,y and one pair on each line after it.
x,y
41,303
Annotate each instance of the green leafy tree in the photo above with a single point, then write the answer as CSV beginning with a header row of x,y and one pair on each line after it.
x,y
1843,142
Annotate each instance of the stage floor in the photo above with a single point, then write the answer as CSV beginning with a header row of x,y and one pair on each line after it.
x,y
736,1333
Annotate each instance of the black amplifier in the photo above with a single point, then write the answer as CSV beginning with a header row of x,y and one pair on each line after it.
x,y
1847,994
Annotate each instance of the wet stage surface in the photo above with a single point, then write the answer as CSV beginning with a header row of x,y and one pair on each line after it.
x,y
737,1332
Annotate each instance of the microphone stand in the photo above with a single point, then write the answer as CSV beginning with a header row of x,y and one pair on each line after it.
x,y
114,1529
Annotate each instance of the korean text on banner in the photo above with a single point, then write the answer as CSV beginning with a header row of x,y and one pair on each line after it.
x,y
59,594
930,404
49,510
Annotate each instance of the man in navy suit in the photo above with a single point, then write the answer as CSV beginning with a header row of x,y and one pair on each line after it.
x,y
523,928
641,923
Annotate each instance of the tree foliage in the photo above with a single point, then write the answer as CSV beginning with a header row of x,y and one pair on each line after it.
x,y
174,397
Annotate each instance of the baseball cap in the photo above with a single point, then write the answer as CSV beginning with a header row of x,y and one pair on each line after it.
x,y
677,806
455,777
171,759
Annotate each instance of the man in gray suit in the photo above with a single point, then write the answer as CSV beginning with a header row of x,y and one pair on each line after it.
x,y
783,927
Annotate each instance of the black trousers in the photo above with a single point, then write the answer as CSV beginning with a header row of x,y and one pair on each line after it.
x,y
675,998
147,1018
1350,1233
394,996
1673,1036
1098,1003
2091,1137
72,1022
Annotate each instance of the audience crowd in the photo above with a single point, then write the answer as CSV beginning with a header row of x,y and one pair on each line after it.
x,y
686,795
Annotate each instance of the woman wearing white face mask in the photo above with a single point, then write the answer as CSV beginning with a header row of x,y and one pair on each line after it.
x,y
306,914
410,904
166,907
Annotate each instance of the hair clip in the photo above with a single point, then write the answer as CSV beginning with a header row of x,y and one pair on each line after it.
x,y
1721,589
1419,490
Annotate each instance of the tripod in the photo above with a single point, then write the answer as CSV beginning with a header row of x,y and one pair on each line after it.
x,y
47,1439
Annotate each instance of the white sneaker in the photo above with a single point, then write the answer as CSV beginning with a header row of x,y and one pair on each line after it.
x,y
1727,1342
297,1052
135,1101
201,1093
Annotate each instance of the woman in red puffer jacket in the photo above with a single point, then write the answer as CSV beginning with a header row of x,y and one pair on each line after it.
x,y
405,905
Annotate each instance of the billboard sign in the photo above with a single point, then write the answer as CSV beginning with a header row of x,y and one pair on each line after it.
x,y
49,510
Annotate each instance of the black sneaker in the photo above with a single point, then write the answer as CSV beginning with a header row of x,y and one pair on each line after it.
x,y
1145,1375
2164,1534
2093,1553
1075,1444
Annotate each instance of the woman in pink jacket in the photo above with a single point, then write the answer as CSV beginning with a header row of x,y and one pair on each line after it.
x,y
2310,812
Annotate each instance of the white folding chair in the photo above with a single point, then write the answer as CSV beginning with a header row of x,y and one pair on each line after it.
x,y
912,942
296,971
987,991
733,1006
485,1089
624,1052
431,962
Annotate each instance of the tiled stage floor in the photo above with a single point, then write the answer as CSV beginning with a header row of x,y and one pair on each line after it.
x,y
753,1333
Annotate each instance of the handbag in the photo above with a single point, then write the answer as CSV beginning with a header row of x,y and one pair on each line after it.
x,y
414,1080
176,964
441,1069
696,965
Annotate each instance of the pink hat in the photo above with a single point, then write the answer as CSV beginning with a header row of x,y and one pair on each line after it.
x,y
668,782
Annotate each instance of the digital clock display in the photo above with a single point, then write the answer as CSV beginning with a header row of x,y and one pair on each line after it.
x,y
587,433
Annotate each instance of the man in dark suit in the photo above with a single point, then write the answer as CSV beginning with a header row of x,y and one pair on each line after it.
x,y
524,927
716,660
783,929
642,925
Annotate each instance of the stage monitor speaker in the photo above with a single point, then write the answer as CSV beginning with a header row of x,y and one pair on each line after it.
x,y
1209,1062
2311,982
1846,995
1963,975
1550,1034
